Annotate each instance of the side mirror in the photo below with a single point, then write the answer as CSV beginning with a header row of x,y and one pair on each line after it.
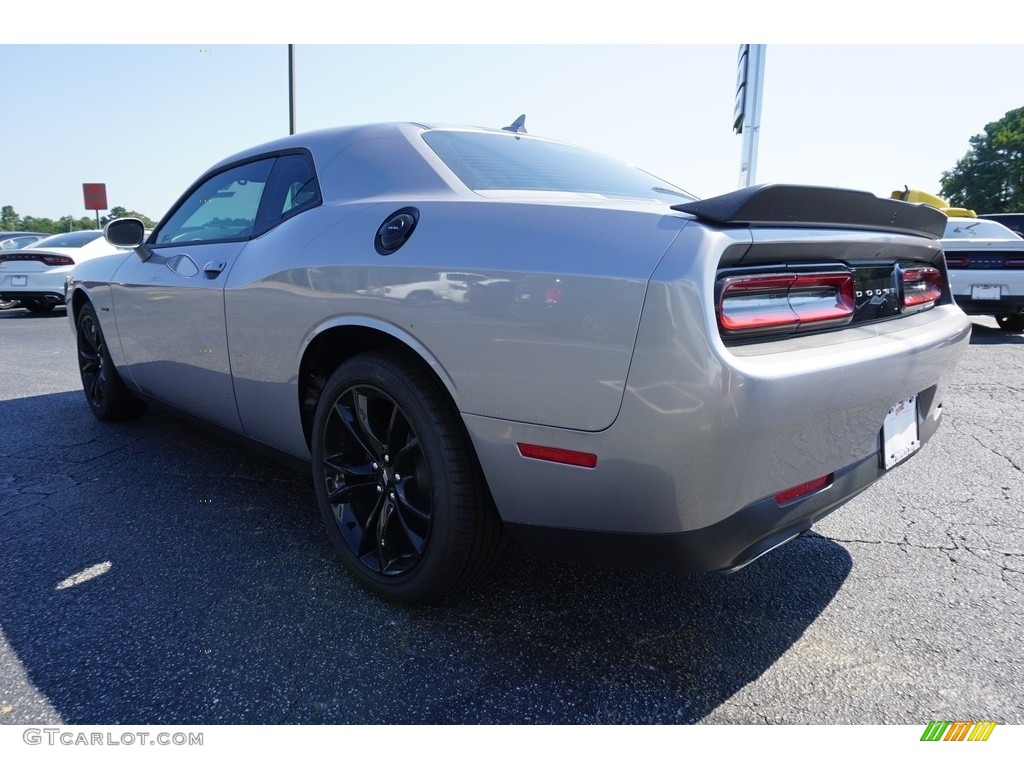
x,y
127,233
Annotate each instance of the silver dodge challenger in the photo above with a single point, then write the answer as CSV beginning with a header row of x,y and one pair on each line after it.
x,y
590,361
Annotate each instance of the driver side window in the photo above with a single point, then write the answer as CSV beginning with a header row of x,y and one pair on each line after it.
x,y
222,208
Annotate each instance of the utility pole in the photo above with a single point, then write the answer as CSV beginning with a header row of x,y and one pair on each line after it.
x,y
747,114
291,90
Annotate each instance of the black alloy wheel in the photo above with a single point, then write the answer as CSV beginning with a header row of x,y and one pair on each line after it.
x,y
105,392
399,488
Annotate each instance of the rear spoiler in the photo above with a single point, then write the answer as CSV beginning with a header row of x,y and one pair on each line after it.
x,y
788,205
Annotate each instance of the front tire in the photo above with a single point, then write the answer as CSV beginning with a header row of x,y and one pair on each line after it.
x,y
1011,323
105,392
399,488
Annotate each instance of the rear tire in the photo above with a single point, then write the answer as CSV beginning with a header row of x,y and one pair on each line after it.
x,y
38,306
1011,323
107,396
398,484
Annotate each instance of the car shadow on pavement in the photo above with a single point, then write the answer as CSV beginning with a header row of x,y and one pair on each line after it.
x,y
987,334
157,575
17,313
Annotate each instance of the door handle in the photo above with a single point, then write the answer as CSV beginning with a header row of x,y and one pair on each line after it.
x,y
214,268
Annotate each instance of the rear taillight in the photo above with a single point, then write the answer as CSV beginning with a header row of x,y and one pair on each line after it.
x,y
921,285
784,302
49,260
957,262
58,261
1014,262
552,295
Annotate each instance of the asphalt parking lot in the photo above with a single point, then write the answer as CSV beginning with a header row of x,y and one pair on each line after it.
x,y
152,573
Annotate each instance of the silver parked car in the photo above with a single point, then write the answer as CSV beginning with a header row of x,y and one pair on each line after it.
x,y
763,356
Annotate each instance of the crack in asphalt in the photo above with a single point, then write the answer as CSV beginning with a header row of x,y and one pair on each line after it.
x,y
1013,463
904,544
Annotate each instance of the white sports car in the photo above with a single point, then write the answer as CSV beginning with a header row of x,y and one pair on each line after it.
x,y
986,269
35,275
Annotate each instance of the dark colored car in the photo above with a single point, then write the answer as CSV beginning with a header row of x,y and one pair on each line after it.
x,y
1012,221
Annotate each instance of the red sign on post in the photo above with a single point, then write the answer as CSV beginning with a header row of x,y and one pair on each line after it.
x,y
95,197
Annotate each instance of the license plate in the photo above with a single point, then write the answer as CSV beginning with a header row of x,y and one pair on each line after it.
x,y
899,432
985,292
19,281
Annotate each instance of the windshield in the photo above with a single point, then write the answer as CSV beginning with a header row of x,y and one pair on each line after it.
x,y
957,228
491,161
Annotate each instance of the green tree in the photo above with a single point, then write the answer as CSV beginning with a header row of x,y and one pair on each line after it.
x,y
990,177
33,224
9,220
120,212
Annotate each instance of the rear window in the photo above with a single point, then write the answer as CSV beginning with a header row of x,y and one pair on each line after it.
x,y
68,240
490,161
980,230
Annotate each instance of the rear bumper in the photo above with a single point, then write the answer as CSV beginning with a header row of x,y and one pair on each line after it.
x,y
1006,305
1009,281
28,295
727,545
46,286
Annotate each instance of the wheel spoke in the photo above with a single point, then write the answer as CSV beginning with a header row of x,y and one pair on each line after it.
x,y
347,493
396,426
362,405
407,505
383,523
339,465
405,451
417,541
96,390
89,361
359,534
346,414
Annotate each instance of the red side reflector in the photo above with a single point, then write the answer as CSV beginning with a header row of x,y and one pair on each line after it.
x,y
557,455
804,489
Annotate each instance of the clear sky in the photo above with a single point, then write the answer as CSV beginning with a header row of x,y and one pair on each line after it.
x,y
147,119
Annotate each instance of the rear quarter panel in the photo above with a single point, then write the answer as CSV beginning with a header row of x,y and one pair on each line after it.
x,y
319,270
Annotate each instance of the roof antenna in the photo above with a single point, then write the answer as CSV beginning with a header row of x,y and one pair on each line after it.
x,y
518,125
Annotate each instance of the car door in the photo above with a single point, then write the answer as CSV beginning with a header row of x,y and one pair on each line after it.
x,y
170,308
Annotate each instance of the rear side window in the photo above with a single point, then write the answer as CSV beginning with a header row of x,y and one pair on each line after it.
x,y
490,161
292,188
